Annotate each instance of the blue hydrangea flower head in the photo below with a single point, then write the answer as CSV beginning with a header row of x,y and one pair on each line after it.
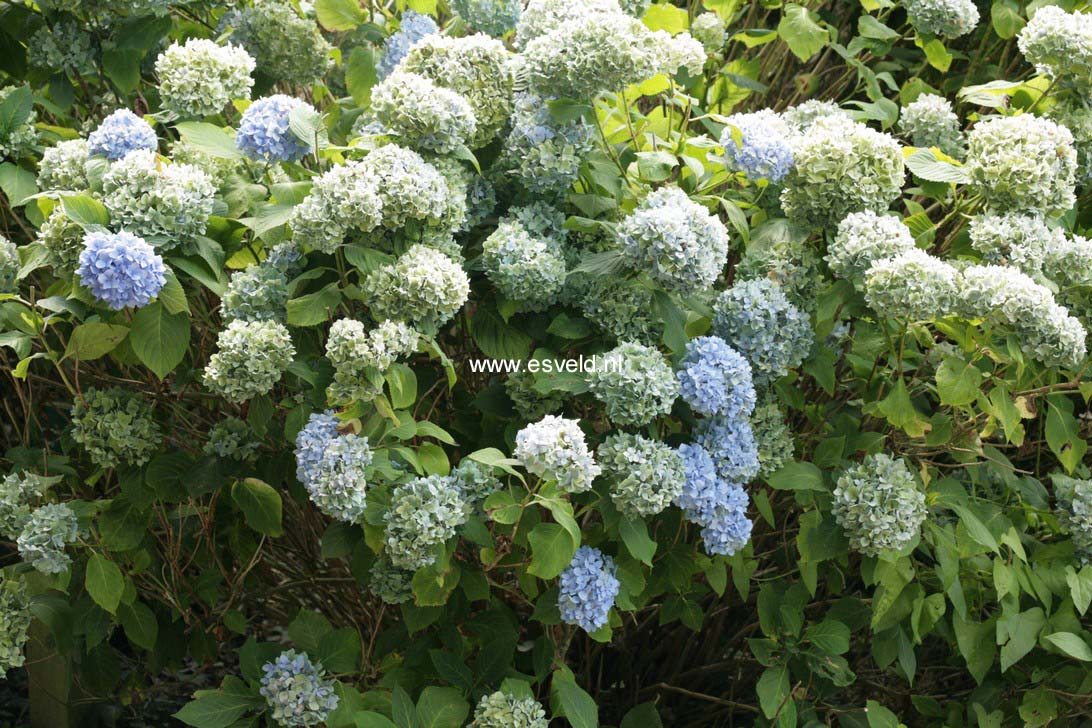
x,y
338,486
731,443
763,151
120,133
588,589
730,529
702,488
264,132
121,269
45,535
296,690
415,26
715,379
311,443
757,318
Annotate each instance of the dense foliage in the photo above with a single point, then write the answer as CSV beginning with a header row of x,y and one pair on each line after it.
x,y
798,297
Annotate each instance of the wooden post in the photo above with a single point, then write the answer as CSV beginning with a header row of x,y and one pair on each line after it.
x,y
51,685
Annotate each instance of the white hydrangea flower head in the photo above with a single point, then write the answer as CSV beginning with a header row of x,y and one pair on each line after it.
x,y
345,198
1074,511
423,114
200,78
1022,164
526,268
554,448
64,166
879,505
1024,241
841,167
802,116
1059,45
360,357
862,239
424,513
634,382
946,18
709,30
544,16
424,287
675,240
913,285
929,121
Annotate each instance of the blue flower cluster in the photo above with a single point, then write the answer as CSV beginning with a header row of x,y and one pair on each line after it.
x,y
415,26
264,132
333,468
763,150
120,133
588,589
715,379
121,269
759,320
294,688
717,505
731,443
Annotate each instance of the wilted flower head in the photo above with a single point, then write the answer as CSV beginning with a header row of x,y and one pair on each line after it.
x,y
115,426
15,619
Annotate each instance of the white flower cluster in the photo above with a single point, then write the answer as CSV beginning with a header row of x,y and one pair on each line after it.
x,y
554,448
645,475
862,239
545,16
841,167
1005,296
1022,164
423,287
930,122
361,357
45,534
478,68
64,166
251,357
913,285
675,240
423,114
879,505
947,18
500,710
525,267
18,493
200,78
1059,45
424,513
1024,241
709,30
169,204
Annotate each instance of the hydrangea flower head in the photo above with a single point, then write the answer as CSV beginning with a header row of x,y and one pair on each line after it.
x,y
264,132
930,122
15,619
257,293
879,505
646,476
588,589
495,17
758,320
422,114
45,535
946,18
530,404
708,29
634,382
715,379
526,268
311,442
251,357
913,285
64,166
18,493
862,239
1023,241
773,437
544,16
120,133
500,710
413,27
337,482
555,448
763,151
233,439
120,269
541,153
1022,164
841,167
391,584
729,529
296,690
1059,45
115,426
200,78
1074,511
285,46
424,513
423,286
360,357
9,265
675,240
731,443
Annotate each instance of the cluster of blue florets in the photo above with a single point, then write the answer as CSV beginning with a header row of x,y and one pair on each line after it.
x,y
265,133
715,379
296,690
719,506
120,133
333,467
121,269
763,150
414,27
759,320
588,589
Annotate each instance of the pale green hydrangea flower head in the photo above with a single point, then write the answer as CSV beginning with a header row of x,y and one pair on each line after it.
x,y
15,619
64,166
251,357
424,513
115,426
878,504
500,710
929,121
864,238
635,384
201,78
912,285
423,287
646,476
422,114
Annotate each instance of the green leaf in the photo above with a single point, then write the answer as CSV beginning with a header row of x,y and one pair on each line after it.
x,y
644,715
1017,634
656,166
924,164
773,689
172,296
104,582
433,585
957,381
798,476
579,707
552,549
666,17
634,532
85,211
1005,18
402,383
308,629
830,636
260,504
216,709
140,625
314,308
15,110
1063,433
209,139
900,411
879,716
307,126
122,66
337,15
441,708
93,340
17,183
160,339
433,459
368,719
496,338
1080,587
804,36
340,650
360,75
1071,645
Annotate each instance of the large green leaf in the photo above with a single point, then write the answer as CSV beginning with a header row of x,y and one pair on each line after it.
x,y
800,31
104,582
160,339
260,504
